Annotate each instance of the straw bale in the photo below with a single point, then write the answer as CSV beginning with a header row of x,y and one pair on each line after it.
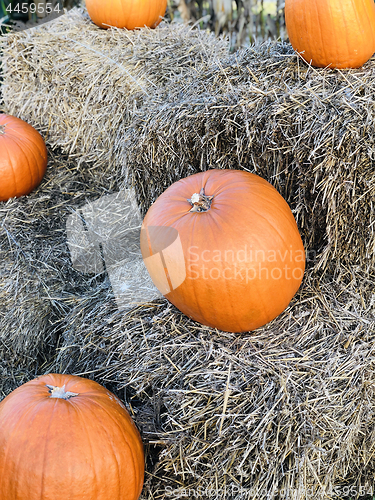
x,y
308,131
80,84
152,106
288,406
24,319
41,277
283,406
36,272
33,227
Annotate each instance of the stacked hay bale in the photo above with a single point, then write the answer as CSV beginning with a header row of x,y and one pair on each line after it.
x,y
37,279
308,131
283,412
166,103
80,85
24,318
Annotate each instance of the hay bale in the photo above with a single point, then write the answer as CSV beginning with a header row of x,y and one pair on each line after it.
x,y
287,408
37,278
308,131
152,106
73,235
25,315
79,84
33,227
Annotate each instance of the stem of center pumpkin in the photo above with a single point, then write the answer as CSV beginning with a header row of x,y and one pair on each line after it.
x,y
200,202
60,393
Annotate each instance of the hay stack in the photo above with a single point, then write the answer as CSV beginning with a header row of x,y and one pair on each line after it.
x,y
308,131
79,84
25,336
37,279
289,408
152,106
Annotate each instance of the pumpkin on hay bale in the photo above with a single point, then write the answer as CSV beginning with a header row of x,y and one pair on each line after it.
x,y
308,131
233,256
23,160
129,14
332,33
286,408
159,105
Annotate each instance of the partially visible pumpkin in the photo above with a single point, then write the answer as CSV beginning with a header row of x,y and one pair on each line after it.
x,y
23,157
224,248
68,438
334,33
128,14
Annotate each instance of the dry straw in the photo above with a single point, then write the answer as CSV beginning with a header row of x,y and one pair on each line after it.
x,y
36,269
289,408
79,84
308,131
23,323
284,412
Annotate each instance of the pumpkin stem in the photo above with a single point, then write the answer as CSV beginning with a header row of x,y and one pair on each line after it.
x,y
59,392
200,202
2,129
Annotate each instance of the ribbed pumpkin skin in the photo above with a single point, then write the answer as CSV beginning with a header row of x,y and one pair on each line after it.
x,y
83,448
248,228
128,14
335,33
23,157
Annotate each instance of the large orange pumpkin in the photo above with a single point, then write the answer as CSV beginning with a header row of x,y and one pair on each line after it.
x,y
224,248
67,438
23,157
128,14
334,33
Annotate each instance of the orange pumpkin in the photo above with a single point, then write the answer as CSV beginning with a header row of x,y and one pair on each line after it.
x,y
23,157
128,14
224,248
67,438
334,33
